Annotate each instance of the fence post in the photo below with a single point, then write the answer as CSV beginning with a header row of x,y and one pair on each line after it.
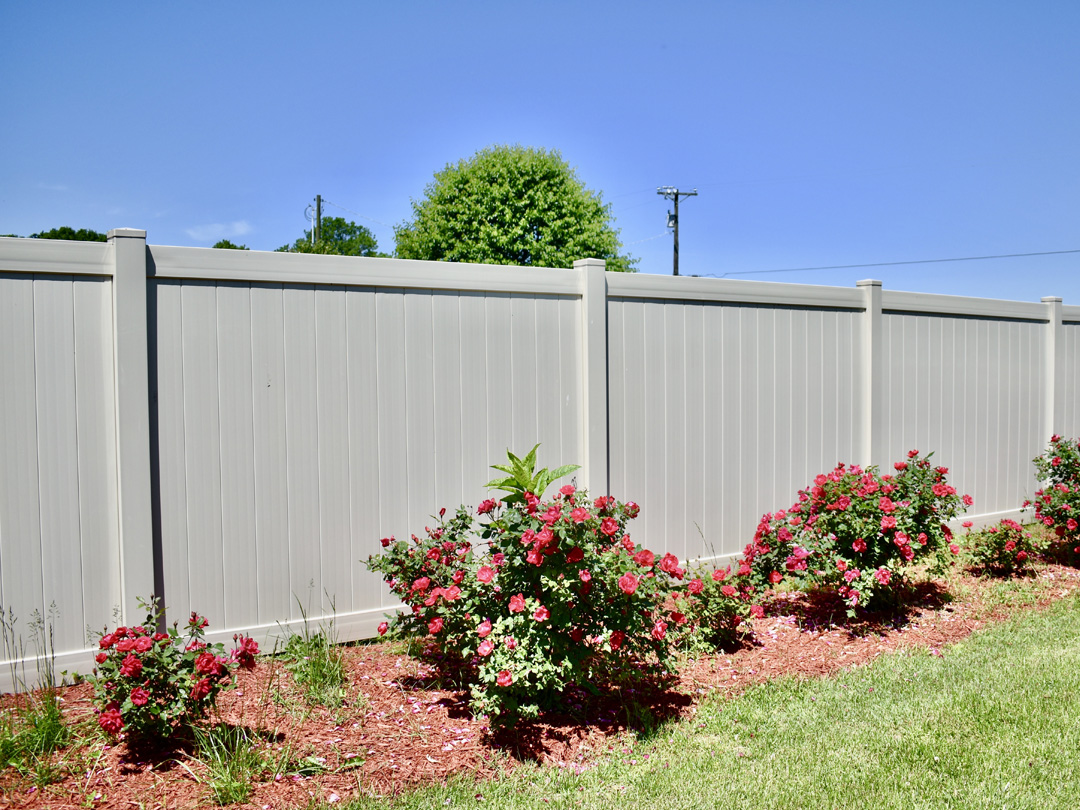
x,y
873,422
594,354
131,390
1052,411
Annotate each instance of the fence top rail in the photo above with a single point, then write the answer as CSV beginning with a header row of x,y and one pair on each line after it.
x,y
1070,313
60,256
688,288
355,271
958,305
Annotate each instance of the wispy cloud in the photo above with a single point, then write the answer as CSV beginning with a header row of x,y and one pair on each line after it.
x,y
53,186
218,230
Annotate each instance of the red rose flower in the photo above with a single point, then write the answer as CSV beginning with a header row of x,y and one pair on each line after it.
x,y
728,590
504,678
575,555
579,515
486,506
201,689
775,577
883,575
584,575
485,574
645,558
111,721
608,526
486,646
720,574
617,639
484,629
139,696
695,586
859,546
435,625
757,611
541,614
659,630
383,627
131,667
517,603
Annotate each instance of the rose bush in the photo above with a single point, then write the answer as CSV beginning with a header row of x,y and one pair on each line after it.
x,y
713,607
151,683
1002,549
858,531
533,595
1057,504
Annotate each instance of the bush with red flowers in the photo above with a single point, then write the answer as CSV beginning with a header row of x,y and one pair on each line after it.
x,y
713,606
858,531
150,683
1057,504
1003,549
533,595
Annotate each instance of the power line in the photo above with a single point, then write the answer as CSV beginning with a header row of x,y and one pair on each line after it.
x,y
894,264
358,214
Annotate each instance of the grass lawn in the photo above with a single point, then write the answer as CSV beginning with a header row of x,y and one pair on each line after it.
x,y
992,722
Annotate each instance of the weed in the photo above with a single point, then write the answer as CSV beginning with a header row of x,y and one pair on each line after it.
x,y
231,761
317,665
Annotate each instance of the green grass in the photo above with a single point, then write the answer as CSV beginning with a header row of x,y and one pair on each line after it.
x,y
993,722
316,664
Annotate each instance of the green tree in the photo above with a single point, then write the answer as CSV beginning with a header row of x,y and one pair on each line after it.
x,y
511,205
225,244
339,237
81,235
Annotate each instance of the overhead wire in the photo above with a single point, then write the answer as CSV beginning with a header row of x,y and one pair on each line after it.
x,y
894,264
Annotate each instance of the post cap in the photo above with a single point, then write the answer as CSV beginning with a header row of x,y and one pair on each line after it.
x,y
127,233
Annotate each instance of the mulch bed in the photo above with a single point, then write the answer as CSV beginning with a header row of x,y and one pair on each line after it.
x,y
400,728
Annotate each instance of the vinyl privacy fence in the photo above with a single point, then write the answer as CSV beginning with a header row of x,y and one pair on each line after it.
x,y
234,431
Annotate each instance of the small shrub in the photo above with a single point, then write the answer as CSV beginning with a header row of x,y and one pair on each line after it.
x,y
858,531
713,608
1057,504
530,596
1002,549
151,683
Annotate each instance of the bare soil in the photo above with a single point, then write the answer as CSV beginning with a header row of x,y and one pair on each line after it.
x,y
401,727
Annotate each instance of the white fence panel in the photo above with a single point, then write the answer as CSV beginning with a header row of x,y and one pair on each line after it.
x,y
971,390
297,424
722,411
59,542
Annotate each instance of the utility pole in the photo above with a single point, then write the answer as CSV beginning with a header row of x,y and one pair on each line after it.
x,y
318,217
672,193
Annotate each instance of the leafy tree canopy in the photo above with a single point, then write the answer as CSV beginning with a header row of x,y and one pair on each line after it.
x,y
511,205
337,237
81,235
225,244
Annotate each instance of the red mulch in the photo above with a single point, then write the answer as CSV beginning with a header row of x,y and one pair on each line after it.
x,y
400,728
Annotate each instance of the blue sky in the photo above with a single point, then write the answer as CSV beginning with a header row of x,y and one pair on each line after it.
x,y
817,133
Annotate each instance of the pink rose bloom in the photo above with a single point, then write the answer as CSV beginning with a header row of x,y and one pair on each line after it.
x,y
757,611
567,490
484,629
888,522
659,630
608,526
851,575
517,603
486,646
720,574
695,586
584,575
541,614
579,515
858,546
955,549
728,590
511,644
628,583
383,627
435,626
485,507
669,564
485,574
504,678
883,575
